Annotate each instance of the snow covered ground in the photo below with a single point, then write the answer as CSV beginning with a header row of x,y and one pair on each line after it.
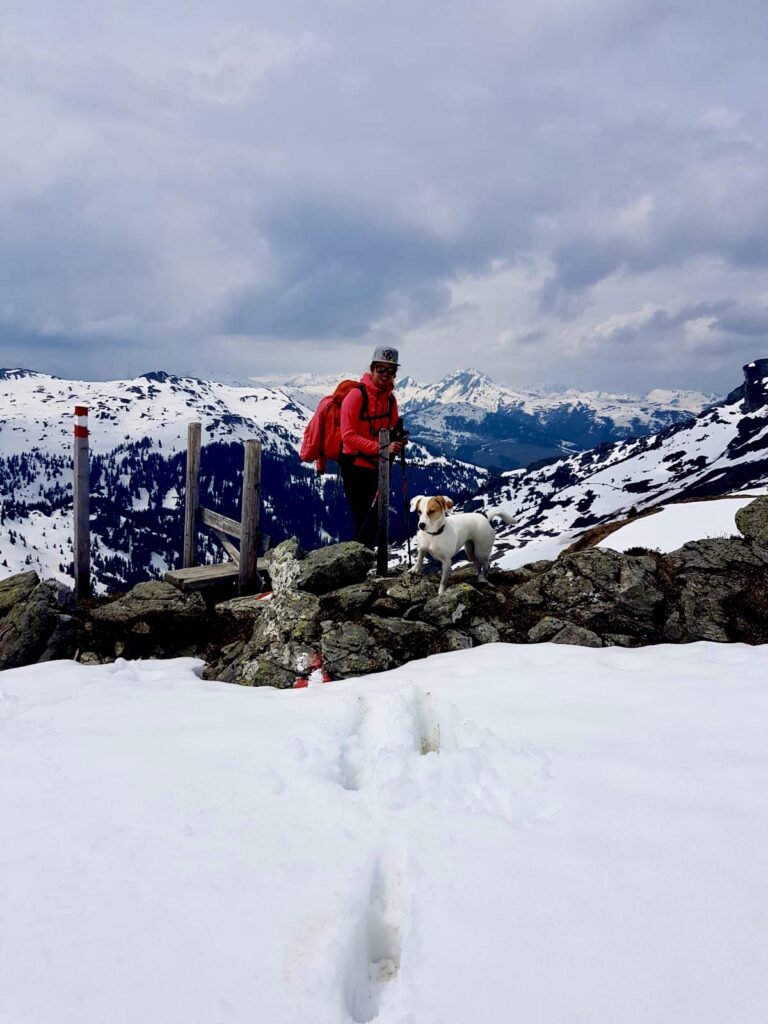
x,y
542,834
675,525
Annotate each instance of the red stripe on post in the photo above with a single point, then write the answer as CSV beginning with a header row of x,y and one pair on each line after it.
x,y
81,431
81,410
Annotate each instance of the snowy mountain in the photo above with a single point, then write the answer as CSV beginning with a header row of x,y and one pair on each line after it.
x,y
723,450
470,417
138,432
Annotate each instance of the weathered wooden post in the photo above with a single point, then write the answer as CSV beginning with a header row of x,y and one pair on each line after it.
x,y
81,504
248,574
382,537
192,495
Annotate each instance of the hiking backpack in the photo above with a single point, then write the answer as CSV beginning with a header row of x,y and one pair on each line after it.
x,y
322,435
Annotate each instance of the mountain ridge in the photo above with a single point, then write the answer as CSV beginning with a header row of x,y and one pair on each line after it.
x,y
476,420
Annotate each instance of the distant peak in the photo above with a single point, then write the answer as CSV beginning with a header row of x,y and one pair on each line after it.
x,y
159,377
18,373
467,376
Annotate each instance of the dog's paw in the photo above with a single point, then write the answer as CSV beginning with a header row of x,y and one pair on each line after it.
x,y
415,570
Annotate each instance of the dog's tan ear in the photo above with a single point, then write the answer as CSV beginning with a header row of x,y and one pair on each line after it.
x,y
447,503
415,503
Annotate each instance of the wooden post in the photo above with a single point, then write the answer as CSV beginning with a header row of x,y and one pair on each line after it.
x,y
81,504
192,495
248,576
382,537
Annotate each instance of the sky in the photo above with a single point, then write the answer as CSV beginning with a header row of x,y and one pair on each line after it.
x,y
569,192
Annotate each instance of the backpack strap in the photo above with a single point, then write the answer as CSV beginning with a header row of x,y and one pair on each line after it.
x,y
364,406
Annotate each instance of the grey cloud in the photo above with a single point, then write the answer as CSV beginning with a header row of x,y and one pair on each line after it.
x,y
339,268
304,171
750,321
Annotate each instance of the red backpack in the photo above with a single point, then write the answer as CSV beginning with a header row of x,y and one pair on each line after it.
x,y
322,436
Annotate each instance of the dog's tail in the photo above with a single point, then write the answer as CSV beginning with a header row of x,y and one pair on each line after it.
x,y
491,512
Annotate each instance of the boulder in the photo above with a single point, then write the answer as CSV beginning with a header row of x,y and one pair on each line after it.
x,y
601,590
455,640
333,567
320,571
284,561
349,649
752,521
545,629
712,586
283,642
462,604
40,624
718,555
375,644
577,635
16,588
350,602
152,620
240,612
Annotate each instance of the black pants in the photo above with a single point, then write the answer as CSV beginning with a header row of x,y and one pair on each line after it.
x,y
360,487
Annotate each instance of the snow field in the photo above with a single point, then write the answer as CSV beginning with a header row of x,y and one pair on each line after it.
x,y
544,833
675,525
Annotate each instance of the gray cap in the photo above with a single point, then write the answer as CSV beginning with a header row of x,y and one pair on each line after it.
x,y
385,354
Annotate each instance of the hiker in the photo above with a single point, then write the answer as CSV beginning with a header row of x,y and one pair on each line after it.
x,y
361,422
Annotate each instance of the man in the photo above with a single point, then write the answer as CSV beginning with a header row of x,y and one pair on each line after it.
x,y
361,420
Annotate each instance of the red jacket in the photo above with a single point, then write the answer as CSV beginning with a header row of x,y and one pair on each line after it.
x,y
361,436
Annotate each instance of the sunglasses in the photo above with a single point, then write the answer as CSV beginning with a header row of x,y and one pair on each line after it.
x,y
386,371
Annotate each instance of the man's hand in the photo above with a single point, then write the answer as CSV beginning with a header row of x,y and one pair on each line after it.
x,y
395,447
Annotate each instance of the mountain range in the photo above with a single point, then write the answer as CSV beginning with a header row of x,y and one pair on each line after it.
x,y
470,417
138,432
138,441
722,450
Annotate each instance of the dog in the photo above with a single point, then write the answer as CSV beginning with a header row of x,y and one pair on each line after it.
x,y
443,536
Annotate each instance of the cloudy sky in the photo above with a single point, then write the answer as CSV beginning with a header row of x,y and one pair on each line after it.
x,y
568,191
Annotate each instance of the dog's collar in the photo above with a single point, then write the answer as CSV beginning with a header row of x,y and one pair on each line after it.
x,y
436,533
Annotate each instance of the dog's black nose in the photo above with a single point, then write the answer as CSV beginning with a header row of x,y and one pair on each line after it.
x,y
422,526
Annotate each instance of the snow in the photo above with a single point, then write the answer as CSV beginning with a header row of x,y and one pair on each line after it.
x,y
542,548
548,834
675,525
478,395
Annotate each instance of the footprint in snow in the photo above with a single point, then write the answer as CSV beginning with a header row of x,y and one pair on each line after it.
x,y
377,946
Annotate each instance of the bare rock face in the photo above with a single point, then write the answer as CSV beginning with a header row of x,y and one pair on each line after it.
x,y
339,565
16,588
154,620
320,571
578,636
712,585
38,621
752,521
600,590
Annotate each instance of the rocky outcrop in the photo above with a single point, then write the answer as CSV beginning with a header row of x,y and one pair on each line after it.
x,y
329,615
601,590
37,621
154,620
752,521
755,385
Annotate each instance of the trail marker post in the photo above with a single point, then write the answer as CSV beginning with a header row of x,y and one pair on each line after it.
x,y
81,505
192,495
382,538
248,576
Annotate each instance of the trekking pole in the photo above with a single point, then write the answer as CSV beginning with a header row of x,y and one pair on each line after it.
x,y
405,506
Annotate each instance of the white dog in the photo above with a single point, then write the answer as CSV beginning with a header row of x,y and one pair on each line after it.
x,y
443,536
